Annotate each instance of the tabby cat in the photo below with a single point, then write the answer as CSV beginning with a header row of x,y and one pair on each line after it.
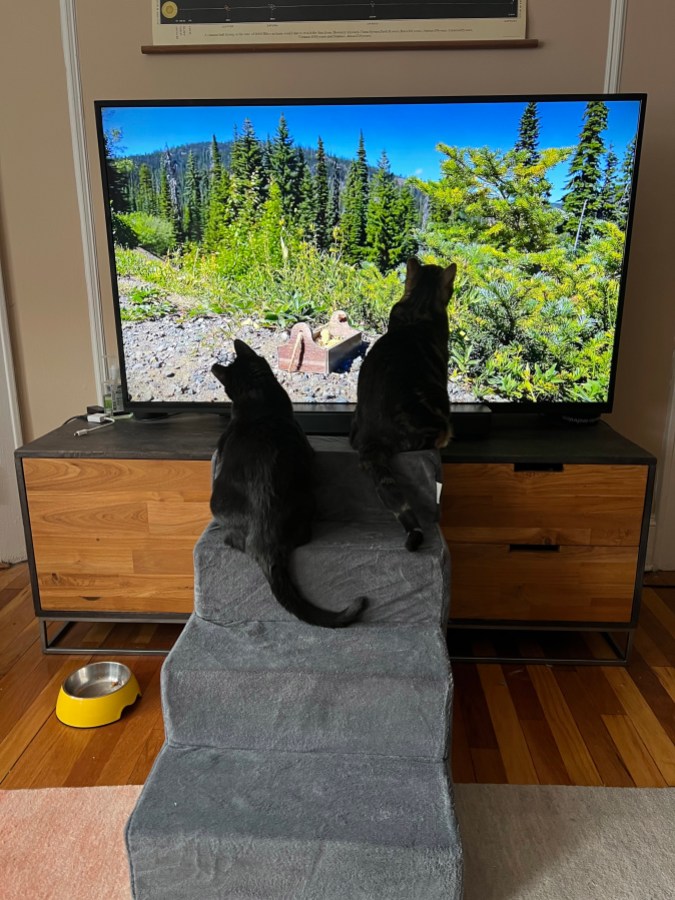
x,y
402,392
262,496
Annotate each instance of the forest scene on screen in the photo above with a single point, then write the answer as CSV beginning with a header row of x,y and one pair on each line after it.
x,y
294,216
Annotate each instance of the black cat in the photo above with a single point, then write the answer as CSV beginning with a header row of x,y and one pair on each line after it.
x,y
262,495
402,393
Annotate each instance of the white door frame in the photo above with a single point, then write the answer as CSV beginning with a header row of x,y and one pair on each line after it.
x,y
12,542
71,58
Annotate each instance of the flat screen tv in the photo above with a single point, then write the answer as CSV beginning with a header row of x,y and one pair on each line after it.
x,y
288,224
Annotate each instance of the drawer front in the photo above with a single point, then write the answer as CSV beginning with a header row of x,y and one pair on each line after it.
x,y
579,505
570,584
116,535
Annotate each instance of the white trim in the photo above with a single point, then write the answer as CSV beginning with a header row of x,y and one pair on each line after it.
x,y
75,105
12,543
7,373
617,30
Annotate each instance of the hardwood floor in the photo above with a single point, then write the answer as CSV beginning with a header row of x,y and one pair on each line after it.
x,y
518,724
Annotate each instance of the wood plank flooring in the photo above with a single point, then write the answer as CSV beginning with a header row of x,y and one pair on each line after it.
x,y
516,723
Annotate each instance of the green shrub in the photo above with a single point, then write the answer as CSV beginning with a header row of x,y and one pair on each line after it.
x,y
146,303
152,233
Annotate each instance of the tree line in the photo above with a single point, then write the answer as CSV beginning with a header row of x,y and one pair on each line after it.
x,y
364,214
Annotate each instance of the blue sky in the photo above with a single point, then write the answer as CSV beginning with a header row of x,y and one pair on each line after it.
x,y
408,132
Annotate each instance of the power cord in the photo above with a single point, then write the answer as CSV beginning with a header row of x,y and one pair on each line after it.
x,y
103,422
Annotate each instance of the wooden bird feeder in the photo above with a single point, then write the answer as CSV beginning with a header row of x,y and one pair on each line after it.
x,y
321,349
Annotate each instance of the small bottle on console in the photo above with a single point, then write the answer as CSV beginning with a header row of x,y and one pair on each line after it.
x,y
112,388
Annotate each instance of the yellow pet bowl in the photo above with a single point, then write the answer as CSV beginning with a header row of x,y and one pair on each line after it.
x,y
96,694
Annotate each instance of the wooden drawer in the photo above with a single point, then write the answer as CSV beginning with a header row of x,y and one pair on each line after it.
x,y
578,505
571,584
116,535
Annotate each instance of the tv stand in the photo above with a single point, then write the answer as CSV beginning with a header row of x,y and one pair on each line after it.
x,y
547,525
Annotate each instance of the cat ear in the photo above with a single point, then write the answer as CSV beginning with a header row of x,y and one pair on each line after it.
x,y
412,267
220,372
449,278
242,349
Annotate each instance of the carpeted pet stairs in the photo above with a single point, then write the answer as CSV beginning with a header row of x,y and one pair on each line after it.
x,y
305,763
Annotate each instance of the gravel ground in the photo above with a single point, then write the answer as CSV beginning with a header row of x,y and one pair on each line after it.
x,y
169,359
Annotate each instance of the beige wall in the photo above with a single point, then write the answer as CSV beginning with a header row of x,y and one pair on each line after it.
x,y
39,224
648,329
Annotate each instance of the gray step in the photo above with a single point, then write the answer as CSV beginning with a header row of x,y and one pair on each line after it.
x,y
243,825
343,561
343,491
295,687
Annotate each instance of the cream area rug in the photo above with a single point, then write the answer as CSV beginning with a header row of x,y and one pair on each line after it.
x,y
567,843
520,843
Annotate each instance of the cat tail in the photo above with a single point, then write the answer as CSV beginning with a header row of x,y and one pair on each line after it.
x,y
276,572
376,462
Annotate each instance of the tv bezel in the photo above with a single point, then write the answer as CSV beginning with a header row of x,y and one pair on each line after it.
x,y
335,418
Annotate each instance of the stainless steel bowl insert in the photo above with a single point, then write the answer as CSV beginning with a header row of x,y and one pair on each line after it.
x,y
97,680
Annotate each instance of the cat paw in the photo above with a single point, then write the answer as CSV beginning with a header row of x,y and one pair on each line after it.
x,y
414,539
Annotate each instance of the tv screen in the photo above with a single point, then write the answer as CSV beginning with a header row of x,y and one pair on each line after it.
x,y
288,224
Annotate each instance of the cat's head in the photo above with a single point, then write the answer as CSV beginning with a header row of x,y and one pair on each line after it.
x,y
249,378
428,289
419,276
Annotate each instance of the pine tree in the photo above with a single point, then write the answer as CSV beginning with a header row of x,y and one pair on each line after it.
x,y
164,199
285,165
528,134
192,225
306,215
624,184
334,206
146,200
249,181
409,219
216,161
581,203
219,211
607,205
321,224
169,205
118,182
355,209
388,219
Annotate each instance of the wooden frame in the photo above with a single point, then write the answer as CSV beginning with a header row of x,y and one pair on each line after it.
x,y
520,44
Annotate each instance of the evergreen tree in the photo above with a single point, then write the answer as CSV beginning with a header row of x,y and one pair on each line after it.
x,y
334,206
355,209
582,200
321,224
146,200
286,168
192,224
528,134
219,211
487,197
387,216
118,176
409,218
624,183
164,199
306,215
216,163
249,182
607,205
169,206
